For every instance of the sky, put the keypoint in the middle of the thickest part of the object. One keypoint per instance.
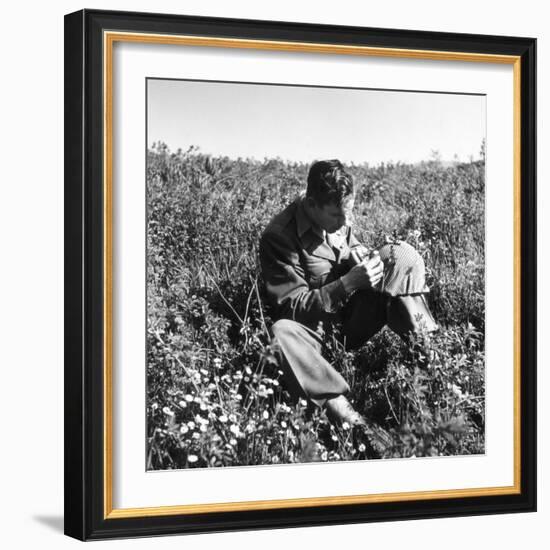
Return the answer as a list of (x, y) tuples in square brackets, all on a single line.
[(302, 123)]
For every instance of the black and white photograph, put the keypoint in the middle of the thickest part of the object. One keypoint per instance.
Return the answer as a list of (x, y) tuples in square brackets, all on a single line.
[(300, 275), (315, 274)]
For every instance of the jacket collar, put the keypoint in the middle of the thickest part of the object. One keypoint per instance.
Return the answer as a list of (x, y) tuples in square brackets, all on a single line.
[(303, 221), (312, 237)]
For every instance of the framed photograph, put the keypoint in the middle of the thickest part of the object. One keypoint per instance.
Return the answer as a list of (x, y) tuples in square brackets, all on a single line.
[(300, 274)]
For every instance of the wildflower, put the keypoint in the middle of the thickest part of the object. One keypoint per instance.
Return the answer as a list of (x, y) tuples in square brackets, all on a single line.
[(199, 419), (203, 428), (196, 435), (324, 455), (275, 460), (456, 390), (345, 426), (223, 418), (303, 402), (191, 425), (233, 441), (362, 448), (203, 407), (217, 362), (184, 429), (154, 406), (234, 429), (182, 404), (232, 417), (167, 411), (192, 458), (334, 437), (283, 424), (189, 398), (265, 415), (239, 397)]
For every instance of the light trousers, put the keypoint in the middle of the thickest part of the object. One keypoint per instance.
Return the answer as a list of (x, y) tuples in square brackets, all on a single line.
[(307, 372)]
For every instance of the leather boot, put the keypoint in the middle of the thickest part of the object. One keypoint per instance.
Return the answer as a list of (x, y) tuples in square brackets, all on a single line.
[(340, 410)]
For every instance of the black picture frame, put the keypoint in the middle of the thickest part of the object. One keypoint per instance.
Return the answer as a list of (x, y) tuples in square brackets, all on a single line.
[(85, 488)]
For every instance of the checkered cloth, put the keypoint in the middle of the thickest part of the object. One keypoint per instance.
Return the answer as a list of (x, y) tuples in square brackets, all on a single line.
[(404, 270)]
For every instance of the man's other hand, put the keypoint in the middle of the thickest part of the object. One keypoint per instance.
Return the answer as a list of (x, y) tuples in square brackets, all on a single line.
[(366, 274)]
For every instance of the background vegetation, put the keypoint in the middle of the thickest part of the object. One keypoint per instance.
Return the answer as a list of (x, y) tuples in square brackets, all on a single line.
[(214, 392)]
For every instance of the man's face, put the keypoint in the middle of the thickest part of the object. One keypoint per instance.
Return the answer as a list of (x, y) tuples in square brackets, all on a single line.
[(331, 217)]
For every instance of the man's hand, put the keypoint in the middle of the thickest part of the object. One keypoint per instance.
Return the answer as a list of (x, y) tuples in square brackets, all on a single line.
[(358, 254), (366, 274)]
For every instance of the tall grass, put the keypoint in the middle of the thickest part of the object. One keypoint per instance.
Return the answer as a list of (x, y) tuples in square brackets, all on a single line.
[(214, 392)]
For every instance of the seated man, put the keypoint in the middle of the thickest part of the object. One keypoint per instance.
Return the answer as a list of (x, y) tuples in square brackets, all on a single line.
[(316, 274)]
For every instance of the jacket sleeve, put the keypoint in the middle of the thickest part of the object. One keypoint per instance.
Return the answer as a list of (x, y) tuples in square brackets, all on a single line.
[(287, 289)]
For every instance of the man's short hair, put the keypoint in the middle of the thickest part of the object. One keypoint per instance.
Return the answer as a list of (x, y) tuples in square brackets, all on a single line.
[(328, 182)]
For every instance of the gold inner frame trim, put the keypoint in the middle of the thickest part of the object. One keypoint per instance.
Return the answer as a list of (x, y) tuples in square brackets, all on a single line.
[(109, 39)]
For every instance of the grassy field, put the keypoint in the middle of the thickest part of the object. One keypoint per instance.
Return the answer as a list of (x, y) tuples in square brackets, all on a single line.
[(214, 392)]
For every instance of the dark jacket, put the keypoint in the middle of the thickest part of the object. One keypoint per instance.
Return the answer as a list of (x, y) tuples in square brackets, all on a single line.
[(302, 270)]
